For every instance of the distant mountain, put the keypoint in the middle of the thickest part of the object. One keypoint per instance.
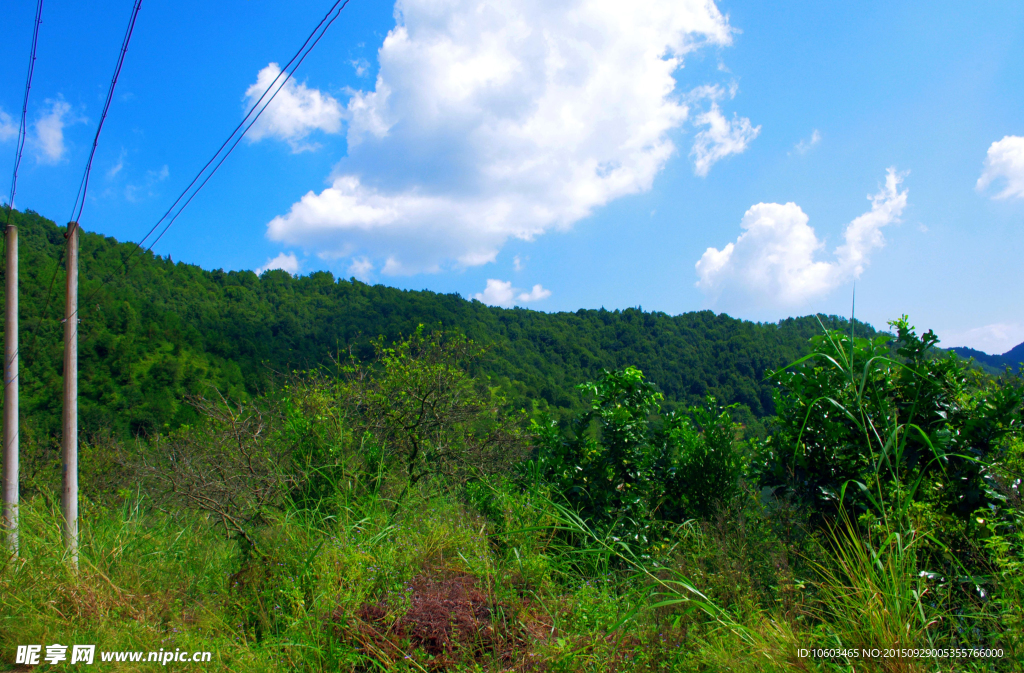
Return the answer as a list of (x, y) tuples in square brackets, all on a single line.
[(1012, 358)]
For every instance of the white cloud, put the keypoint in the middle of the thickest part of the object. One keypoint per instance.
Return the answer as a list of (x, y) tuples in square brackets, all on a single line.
[(361, 268), (773, 261), (517, 263), (497, 293), (289, 263), (536, 294), (361, 66), (8, 129), (712, 92), (1005, 161), (995, 339), (501, 293), (48, 138), (294, 113), (720, 139), (804, 146), (492, 120)]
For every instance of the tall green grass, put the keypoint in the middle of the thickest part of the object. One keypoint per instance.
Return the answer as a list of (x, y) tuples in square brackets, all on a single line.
[(330, 593)]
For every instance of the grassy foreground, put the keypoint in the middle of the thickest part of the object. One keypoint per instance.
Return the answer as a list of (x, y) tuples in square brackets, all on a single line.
[(437, 585)]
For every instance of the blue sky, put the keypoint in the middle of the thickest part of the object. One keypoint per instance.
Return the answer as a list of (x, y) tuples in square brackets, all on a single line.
[(752, 158)]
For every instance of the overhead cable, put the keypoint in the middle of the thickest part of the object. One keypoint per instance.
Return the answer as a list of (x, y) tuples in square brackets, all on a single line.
[(76, 210), (22, 128), (83, 187), (257, 109)]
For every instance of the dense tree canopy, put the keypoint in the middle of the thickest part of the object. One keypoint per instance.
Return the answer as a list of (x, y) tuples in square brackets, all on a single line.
[(161, 330)]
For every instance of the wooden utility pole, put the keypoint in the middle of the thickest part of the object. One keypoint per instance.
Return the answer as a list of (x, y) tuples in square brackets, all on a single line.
[(69, 501), (10, 511)]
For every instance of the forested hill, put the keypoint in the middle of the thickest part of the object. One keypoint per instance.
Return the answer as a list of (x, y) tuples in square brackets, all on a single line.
[(149, 338), (1013, 358)]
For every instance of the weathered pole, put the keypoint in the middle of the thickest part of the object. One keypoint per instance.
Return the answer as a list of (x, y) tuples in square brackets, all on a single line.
[(10, 487), (69, 501)]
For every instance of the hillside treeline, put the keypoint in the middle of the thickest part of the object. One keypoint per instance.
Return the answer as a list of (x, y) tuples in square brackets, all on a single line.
[(154, 331)]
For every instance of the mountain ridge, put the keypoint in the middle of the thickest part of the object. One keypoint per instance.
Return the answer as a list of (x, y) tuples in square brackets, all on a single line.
[(166, 331), (1013, 358)]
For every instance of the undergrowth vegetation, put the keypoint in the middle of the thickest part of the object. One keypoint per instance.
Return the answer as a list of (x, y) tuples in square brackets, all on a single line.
[(398, 514)]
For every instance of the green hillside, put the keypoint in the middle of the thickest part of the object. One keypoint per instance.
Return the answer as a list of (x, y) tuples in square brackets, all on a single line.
[(168, 329)]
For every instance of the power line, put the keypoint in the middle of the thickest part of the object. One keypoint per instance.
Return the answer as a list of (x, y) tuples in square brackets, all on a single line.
[(297, 59), (24, 111), (222, 153), (84, 184), (250, 118)]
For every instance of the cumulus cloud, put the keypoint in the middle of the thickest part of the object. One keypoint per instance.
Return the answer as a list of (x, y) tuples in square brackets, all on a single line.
[(773, 260), (295, 112), (804, 146), (536, 294), (361, 268), (48, 136), (286, 262), (1004, 162), (497, 293), (492, 120), (721, 138), (501, 293), (8, 129)]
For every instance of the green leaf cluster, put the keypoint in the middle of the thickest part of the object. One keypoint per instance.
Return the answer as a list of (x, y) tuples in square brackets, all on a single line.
[(896, 419), (629, 470)]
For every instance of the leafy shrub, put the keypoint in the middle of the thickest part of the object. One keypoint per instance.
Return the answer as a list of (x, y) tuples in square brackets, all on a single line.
[(1000, 527), (902, 446), (330, 437), (624, 468), (704, 462), (855, 412), (426, 413)]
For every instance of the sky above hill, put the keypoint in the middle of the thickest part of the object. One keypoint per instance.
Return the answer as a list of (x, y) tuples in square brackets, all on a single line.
[(758, 159)]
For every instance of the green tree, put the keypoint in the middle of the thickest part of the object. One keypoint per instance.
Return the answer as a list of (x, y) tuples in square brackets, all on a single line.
[(427, 413), (628, 470)]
